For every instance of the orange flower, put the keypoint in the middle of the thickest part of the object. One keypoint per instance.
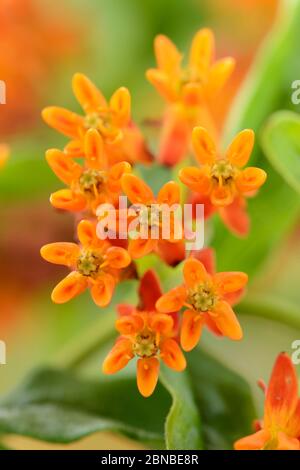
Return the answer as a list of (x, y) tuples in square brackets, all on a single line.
[(91, 184), (122, 140), (94, 263), (4, 154), (148, 335), (221, 180), (154, 211), (188, 91), (205, 297), (280, 428)]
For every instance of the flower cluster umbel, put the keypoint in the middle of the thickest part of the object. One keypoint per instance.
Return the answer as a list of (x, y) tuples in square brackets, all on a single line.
[(97, 166)]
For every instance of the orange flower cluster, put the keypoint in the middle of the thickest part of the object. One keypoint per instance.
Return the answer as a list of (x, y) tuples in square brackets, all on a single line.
[(97, 166)]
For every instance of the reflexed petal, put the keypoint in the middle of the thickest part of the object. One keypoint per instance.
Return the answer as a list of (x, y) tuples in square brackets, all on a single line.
[(61, 253), (207, 257), (74, 149), (63, 166), (136, 190), (161, 323), (149, 290), (117, 257), (147, 375), (218, 75), (202, 51), (167, 55), (191, 329), (172, 355), (171, 252), (103, 289), (239, 151), (63, 121), (204, 146), (115, 174), (120, 104), (86, 232), (222, 196), (250, 179), (236, 218), (193, 94), (94, 150), (210, 325), (71, 286), (282, 392), (226, 321), (172, 301), (140, 247), (68, 200), (286, 442), (161, 82), (229, 282), (87, 94), (169, 194), (125, 309), (194, 272), (195, 178), (118, 357), (255, 441), (129, 324), (175, 139)]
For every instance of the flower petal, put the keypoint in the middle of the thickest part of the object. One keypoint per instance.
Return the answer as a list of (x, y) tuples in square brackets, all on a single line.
[(172, 301), (141, 247), (94, 150), (191, 329), (195, 179), (229, 282), (222, 196), (149, 290), (68, 200), (63, 166), (167, 55), (169, 194), (117, 257), (226, 321), (235, 216), (250, 179), (255, 441), (286, 442), (218, 76), (118, 357), (239, 151), (172, 355), (115, 174), (86, 232), (136, 189), (202, 51), (103, 289), (161, 323), (194, 272), (129, 324), (87, 94), (161, 81), (63, 121), (175, 138), (4, 154), (61, 253), (71, 286), (147, 375), (204, 146), (74, 149), (120, 104)]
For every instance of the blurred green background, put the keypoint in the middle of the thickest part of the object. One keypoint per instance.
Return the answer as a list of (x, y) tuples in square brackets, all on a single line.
[(43, 43)]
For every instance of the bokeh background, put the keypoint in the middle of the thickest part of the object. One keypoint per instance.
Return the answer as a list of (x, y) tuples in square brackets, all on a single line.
[(42, 43)]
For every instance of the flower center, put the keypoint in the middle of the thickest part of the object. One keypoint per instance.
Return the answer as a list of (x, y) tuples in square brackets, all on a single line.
[(202, 297), (92, 180), (223, 171), (92, 121), (145, 344), (88, 263)]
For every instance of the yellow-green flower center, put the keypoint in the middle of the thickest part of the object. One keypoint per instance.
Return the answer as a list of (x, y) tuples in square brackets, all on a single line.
[(145, 344), (223, 171), (88, 263), (202, 297), (92, 180)]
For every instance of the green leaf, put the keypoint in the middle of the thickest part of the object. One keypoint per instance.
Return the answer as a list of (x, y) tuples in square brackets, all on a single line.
[(224, 401), (281, 143), (183, 425), (58, 407)]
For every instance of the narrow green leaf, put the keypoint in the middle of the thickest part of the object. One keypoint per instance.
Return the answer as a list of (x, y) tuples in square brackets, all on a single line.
[(281, 144), (183, 425)]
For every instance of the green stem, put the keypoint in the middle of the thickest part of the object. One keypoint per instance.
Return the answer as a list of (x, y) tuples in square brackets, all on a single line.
[(278, 310)]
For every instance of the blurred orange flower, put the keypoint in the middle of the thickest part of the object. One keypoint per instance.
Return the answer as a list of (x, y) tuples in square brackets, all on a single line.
[(148, 335), (205, 297), (94, 263), (89, 185), (221, 180), (122, 140), (4, 154), (188, 91), (280, 428)]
